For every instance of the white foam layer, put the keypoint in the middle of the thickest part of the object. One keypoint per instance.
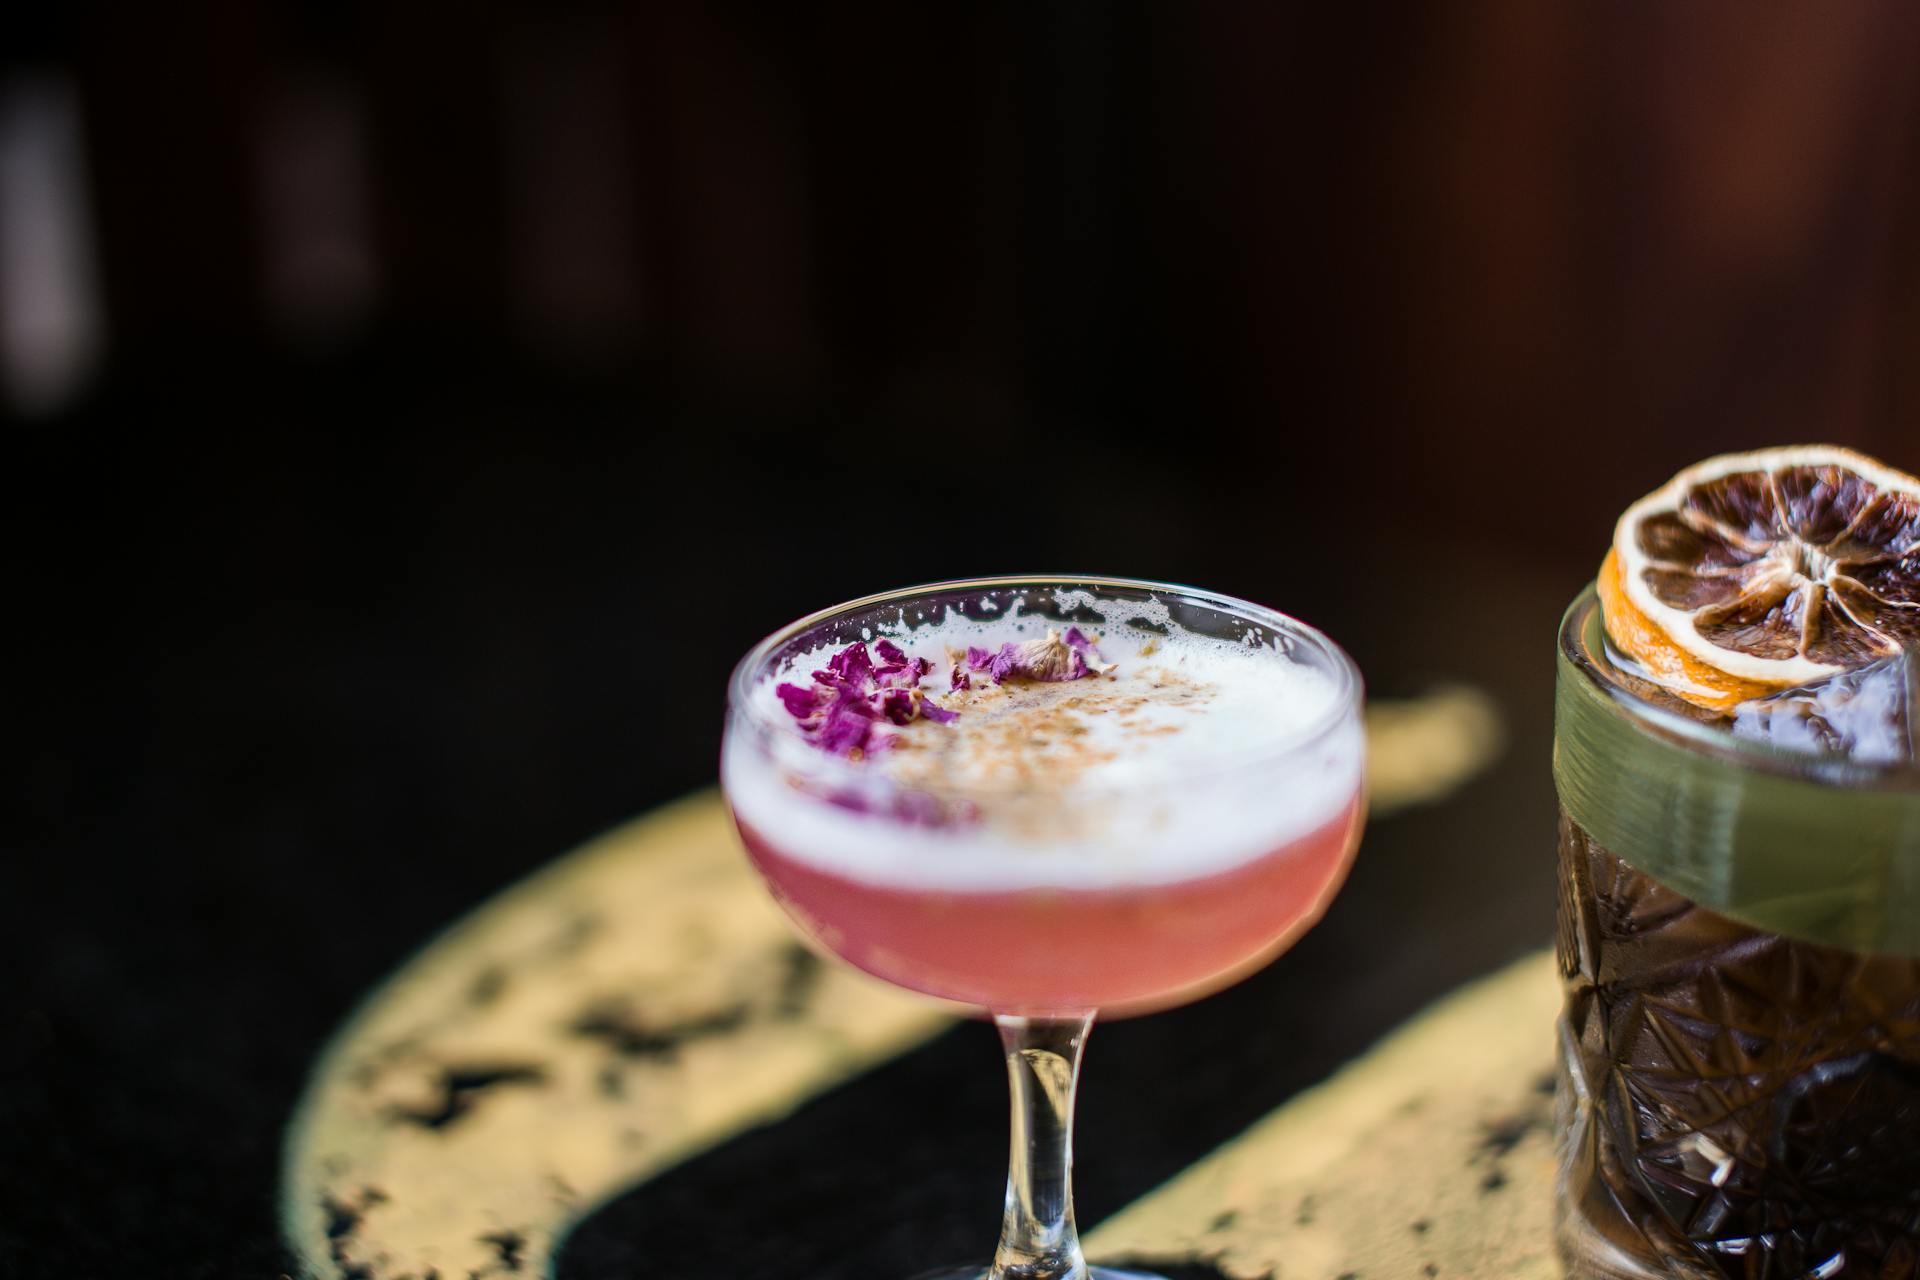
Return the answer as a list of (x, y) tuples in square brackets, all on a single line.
[(1190, 759)]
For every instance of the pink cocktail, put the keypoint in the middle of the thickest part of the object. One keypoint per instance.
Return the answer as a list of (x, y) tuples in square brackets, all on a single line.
[(1119, 950), (1046, 798)]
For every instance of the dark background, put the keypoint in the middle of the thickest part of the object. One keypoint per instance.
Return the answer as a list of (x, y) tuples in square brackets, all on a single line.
[(413, 409)]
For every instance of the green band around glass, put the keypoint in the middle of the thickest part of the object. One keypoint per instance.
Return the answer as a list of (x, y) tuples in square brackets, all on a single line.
[(1816, 848)]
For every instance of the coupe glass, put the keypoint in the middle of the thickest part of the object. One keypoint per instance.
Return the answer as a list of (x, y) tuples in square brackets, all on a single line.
[(1117, 900)]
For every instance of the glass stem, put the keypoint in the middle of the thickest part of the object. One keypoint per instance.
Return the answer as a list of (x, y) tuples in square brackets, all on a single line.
[(1038, 1240)]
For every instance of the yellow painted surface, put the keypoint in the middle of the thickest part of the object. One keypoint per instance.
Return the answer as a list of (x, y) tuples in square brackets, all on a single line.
[(659, 929), (1422, 750), (1430, 1156), (637, 1002)]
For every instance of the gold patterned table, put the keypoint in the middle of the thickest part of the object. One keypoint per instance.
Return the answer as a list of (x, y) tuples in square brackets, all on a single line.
[(641, 1000)]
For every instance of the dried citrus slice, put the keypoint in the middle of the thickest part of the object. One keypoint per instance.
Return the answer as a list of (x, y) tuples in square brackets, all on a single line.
[(1755, 571)]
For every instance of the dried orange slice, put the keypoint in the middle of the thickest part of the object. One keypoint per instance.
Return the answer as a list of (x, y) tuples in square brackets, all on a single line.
[(1751, 572)]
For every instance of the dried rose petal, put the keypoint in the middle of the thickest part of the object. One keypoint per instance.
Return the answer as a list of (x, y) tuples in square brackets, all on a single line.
[(800, 703), (853, 701), (1053, 657), (898, 705), (1080, 644), (918, 809), (848, 726), (998, 664), (896, 670), (1050, 658), (914, 808), (852, 665)]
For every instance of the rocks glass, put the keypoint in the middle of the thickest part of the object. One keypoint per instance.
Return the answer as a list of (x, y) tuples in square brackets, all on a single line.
[(1739, 934)]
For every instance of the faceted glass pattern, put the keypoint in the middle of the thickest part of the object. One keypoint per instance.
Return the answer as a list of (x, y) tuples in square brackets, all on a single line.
[(1733, 1103)]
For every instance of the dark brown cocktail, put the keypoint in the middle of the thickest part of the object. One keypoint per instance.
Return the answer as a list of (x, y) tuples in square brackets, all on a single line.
[(1739, 915)]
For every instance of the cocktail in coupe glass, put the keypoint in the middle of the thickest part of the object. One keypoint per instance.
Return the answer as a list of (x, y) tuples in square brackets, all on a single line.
[(1047, 797)]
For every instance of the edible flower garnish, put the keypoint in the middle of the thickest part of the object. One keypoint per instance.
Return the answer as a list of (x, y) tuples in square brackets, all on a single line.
[(851, 704), (1080, 644), (1054, 657)]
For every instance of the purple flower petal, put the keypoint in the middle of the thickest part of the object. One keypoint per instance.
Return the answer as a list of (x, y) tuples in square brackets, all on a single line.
[(897, 670), (1076, 640), (852, 801), (852, 702), (897, 705), (915, 808), (848, 726), (1052, 657), (800, 703), (918, 809), (852, 665), (1004, 663)]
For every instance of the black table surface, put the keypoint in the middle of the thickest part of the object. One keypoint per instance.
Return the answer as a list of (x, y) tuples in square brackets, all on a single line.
[(302, 699)]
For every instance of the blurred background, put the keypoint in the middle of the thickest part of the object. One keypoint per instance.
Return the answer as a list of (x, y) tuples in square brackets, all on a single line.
[(415, 408)]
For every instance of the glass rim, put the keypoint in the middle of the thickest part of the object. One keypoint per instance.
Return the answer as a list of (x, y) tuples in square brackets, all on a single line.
[(1350, 687), (1812, 846), (1716, 740)]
